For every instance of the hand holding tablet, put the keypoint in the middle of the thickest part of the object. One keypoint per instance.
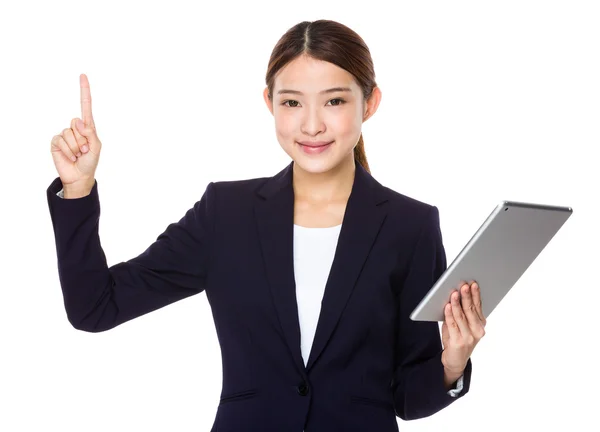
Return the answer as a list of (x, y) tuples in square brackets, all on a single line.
[(497, 255), (463, 328)]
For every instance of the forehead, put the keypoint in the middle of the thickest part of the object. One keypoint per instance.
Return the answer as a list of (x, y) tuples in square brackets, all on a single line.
[(310, 75)]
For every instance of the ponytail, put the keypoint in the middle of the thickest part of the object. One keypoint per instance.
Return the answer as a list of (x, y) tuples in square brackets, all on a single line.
[(359, 154)]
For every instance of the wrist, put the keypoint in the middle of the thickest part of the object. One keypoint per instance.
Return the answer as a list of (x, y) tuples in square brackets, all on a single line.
[(451, 376), (78, 190)]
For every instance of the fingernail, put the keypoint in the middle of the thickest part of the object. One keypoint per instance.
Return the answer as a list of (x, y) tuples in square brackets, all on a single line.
[(73, 158), (84, 148), (78, 154)]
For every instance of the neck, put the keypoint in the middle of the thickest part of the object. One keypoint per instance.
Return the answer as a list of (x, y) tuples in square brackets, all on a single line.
[(333, 185)]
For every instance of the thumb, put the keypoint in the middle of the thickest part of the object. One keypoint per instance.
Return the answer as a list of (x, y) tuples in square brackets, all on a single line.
[(87, 131), (82, 129)]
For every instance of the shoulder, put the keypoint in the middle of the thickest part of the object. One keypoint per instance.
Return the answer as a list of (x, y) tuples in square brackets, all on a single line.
[(233, 196), (237, 189), (408, 207), (415, 226)]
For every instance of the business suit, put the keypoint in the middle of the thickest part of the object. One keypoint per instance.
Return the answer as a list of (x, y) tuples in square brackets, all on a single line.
[(368, 363)]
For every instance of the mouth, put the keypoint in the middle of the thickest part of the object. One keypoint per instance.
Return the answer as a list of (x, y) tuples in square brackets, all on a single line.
[(314, 147), (314, 143)]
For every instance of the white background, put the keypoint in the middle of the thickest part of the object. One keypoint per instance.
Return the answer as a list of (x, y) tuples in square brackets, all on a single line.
[(482, 101)]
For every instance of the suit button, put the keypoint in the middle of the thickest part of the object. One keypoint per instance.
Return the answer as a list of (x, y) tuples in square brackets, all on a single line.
[(303, 389)]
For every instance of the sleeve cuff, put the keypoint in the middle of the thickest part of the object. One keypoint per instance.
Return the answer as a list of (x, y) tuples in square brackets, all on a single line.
[(459, 386)]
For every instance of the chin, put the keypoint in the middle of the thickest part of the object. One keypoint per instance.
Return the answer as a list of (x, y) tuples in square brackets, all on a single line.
[(313, 166)]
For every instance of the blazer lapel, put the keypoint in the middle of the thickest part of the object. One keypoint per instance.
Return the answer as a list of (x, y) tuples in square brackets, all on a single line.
[(275, 220), (274, 213)]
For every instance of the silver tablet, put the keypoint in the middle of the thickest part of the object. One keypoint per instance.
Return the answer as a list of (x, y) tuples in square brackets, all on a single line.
[(497, 255)]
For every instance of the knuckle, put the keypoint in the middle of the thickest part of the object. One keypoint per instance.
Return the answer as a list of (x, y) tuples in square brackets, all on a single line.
[(56, 141), (68, 148), (62, 144)]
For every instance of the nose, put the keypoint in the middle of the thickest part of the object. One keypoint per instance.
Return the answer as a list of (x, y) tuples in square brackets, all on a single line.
[(312, 123)]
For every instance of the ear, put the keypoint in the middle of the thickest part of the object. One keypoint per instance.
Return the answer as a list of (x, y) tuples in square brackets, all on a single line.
[(266, 98), (372, 104)]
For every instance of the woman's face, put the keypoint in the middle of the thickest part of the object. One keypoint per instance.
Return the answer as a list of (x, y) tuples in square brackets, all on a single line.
[(311, 114)]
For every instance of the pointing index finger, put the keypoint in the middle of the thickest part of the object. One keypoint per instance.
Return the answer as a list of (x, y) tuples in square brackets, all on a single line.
[(86, 101)]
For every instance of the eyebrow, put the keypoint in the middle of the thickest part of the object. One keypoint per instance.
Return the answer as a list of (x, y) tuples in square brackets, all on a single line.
[(331, 90)]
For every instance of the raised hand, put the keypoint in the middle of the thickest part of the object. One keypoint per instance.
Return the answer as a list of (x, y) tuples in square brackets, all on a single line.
[(76, 150)]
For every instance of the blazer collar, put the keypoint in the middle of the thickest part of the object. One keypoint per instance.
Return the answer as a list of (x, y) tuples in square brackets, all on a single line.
[(364, 184), (274, 213)]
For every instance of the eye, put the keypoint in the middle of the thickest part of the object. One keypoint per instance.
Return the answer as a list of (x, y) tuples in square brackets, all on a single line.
[(341, 102)]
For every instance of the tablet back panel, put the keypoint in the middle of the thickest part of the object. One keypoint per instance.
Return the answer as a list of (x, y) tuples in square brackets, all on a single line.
[(496, 256)]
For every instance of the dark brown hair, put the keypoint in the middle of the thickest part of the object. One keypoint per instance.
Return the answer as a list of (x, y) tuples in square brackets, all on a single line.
[(332, 42)]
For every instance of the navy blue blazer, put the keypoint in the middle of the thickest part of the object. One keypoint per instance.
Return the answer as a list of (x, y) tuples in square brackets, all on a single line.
[(369, 363)]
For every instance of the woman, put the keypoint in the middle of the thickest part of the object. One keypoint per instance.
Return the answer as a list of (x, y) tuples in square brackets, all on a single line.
[(311, 274)]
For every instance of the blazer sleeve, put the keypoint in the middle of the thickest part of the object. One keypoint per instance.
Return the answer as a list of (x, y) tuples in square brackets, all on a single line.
[(97, 297), (418, 384)]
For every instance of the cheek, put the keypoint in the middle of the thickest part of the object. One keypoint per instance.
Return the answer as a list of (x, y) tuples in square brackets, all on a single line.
[(345, 128), (348, 124), (285, 125)]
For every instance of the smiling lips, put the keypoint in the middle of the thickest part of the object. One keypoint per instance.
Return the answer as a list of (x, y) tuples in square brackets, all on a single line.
[(314, 147)]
